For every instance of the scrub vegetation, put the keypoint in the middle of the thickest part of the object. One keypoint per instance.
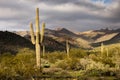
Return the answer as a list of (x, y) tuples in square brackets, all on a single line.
[(81, 63)]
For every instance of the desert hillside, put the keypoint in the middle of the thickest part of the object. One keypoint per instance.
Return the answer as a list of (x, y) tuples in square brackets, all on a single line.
[(10, 42), (87, 39)]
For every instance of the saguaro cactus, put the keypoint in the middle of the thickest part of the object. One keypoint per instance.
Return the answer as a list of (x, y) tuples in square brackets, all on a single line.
[(67, 49), (107, 51), (37, 45), (43, 50), (42, 31), (32, 33), (102, 49), (39, 39)]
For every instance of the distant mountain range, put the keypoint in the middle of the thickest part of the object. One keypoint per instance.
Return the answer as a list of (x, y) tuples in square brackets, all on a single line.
[(87, 39), (55, 39)]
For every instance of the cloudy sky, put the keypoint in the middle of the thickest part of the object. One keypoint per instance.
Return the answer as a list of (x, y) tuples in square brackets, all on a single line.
[(76, 15)]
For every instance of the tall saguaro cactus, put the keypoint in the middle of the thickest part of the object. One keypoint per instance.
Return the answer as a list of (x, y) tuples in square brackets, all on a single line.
[(37, 45), (39, 38)]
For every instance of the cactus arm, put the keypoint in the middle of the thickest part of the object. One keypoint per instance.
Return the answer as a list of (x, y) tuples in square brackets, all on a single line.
[(37, 20), (32, 33), (42, 32)]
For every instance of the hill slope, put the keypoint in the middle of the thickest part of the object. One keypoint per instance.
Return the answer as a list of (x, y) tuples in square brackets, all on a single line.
[(87, 39), (109, 37), (10, 42), (60, 35)]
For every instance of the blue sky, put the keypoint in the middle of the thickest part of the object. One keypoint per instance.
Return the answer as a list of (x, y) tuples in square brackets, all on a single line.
[(105, 1)]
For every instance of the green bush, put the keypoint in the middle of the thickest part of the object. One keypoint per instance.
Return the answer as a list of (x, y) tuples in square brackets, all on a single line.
[(93, 72), (77, 53), (20, 65), (99, 72), (69, 64), (54, 56)]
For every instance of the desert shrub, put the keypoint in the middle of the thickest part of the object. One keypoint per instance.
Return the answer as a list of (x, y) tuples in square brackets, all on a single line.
[(99, 72), (51, 71), (69, 64), (5, 56), (20, 65), (108, 73), (25, 62), (77, 53), (104, 60), (54, 56), (93, 72), (105, 65), (107, 61), (89, 64), (93, 68), (26, 56), (93, 57)]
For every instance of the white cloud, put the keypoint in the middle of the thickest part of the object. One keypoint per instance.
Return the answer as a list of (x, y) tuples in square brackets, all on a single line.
[(82, 14)]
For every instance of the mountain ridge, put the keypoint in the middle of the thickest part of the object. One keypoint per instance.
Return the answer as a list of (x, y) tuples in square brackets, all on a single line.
[(82, 39)]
